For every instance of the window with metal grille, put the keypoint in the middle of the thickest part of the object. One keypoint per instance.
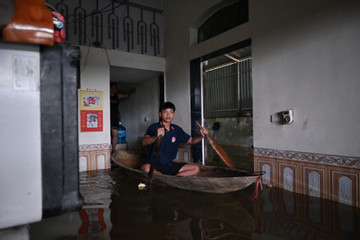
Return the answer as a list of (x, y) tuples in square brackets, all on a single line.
[(228, 90)]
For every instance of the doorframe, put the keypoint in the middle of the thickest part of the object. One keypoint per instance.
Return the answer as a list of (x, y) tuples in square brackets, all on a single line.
[(196, 94)]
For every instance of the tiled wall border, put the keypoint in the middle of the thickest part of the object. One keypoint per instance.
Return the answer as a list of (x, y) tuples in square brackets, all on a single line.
[(92, 147), (314, 174), (93, 153), (333, 160)]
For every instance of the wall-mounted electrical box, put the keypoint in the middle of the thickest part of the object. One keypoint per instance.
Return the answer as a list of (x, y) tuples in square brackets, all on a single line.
[(287, 117), (284, 117)]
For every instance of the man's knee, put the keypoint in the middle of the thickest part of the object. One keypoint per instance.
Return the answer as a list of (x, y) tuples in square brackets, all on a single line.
[(196, 169), (189, 170), (145, 167)]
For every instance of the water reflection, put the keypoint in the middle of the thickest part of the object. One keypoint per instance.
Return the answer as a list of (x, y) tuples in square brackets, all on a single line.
[(161, 213), (115, 209)]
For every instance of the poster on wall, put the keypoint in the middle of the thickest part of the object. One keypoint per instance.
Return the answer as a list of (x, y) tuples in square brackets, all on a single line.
[(91, 111)]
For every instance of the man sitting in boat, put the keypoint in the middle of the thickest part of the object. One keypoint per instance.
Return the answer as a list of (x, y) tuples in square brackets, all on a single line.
[(172, 136)]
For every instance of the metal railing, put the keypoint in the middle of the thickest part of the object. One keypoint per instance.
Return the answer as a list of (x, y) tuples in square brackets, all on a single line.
[(228, 90), (120, 25)]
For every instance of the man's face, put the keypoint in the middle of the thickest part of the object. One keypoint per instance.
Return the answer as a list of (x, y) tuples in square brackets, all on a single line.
[(113, 90), (167, 115)]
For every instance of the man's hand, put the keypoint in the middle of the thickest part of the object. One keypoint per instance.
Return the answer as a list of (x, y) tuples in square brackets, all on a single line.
[(204, 131), (161, 131)]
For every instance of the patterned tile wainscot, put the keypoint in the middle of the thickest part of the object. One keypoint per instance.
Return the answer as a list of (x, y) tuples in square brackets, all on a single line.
[(319, 175), (94, 157)]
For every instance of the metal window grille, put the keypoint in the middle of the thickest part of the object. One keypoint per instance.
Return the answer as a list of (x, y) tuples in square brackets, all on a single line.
[(228, 90)]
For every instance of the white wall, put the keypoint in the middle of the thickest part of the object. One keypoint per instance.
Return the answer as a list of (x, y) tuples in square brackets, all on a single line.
[(95, 75), (304, 57), (136, 61), (310, 64), (179, 16)]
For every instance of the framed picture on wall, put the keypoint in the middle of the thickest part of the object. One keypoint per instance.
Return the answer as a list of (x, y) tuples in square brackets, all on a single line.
[(91, 111)]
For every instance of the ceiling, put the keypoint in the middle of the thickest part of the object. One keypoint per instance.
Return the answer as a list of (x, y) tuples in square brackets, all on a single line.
[(131, 75), (230, 57)]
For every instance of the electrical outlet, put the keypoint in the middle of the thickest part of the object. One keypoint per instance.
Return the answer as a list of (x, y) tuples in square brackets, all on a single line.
[(284, 117), (288, 116)]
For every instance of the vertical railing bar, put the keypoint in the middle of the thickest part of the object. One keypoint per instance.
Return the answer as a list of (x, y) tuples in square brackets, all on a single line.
[(154, 35), (81, 13), (113, 27)]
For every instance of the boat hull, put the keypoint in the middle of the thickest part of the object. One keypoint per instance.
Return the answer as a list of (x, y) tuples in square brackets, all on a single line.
[(211, 179)]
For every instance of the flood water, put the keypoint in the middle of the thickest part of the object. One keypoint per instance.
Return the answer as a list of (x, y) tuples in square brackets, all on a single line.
[(114, 208)]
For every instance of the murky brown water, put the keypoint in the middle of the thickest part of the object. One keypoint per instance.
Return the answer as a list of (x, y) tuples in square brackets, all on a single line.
[(115, 209), (240, 156)]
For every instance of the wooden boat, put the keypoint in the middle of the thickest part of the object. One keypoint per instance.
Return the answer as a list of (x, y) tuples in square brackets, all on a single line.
[(211, 179)]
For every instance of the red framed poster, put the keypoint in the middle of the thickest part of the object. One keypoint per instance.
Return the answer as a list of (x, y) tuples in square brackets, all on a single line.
[(91, 120), (91, 111)]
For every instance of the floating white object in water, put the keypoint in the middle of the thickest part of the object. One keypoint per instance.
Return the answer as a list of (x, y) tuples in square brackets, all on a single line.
[(141, 186)]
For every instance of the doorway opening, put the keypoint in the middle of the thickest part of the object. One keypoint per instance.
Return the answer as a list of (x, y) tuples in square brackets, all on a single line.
[(226, 104), (140, 109)]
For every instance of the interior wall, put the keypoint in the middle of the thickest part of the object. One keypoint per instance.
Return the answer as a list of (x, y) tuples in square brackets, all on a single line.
[(139, 110), (95, 75), (304, 58), (309, 65), (179, 53)]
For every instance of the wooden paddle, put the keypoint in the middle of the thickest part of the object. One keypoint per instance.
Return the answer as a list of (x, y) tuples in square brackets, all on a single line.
[(218, 149), (154, 156)]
